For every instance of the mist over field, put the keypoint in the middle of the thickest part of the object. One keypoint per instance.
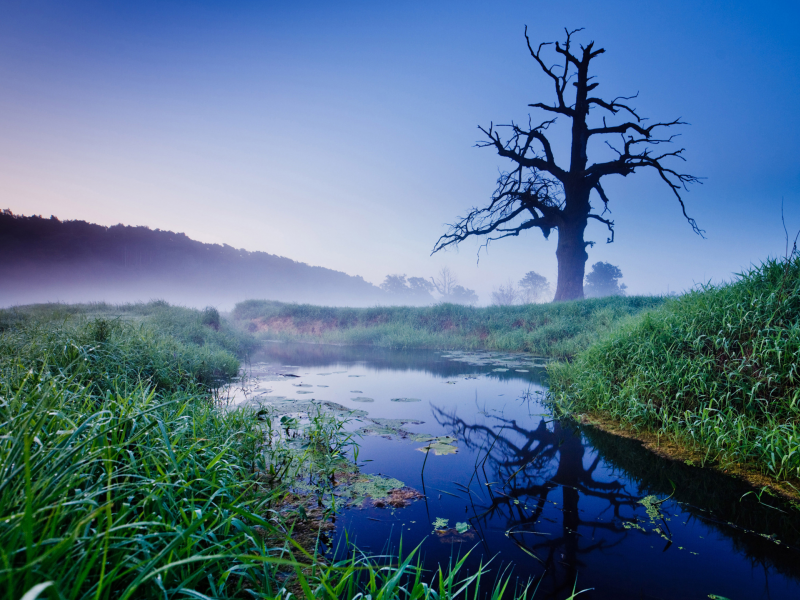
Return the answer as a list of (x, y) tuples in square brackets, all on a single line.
[(46, 260)]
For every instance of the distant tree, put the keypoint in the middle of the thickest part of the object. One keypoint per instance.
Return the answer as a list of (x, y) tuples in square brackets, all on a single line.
[(533, 288), (505, 295), (537, 192), (462, 295), (445, 281), (414, 290), (421, 287), (446, 284), (603, 280)]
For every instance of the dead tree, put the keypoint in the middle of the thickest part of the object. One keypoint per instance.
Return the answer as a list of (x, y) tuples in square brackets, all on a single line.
[(538, 193)]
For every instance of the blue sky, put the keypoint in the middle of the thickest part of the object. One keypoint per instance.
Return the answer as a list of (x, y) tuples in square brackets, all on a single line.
[(342, 134)]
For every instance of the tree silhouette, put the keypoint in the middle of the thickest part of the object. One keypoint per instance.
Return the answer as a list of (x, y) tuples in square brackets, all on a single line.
[(539, 193), (603, 280), (534, 287), (446, 284)]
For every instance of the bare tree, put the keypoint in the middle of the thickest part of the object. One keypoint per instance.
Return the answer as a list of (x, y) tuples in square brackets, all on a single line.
[(445, 282), (505, 295), (538, 193), (447, 285)]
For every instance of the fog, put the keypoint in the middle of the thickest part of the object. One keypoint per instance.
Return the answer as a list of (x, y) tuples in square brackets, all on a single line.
[(48, 260)]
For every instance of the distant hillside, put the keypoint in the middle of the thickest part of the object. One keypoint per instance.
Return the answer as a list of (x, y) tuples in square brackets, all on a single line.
[(43, 260)]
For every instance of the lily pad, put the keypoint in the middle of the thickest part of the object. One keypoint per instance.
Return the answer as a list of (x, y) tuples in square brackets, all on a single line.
[(323, 386), (304, 392), (302, 385), (356, 392), (362, 399), (462, 527), (439, 448), (406, 400)]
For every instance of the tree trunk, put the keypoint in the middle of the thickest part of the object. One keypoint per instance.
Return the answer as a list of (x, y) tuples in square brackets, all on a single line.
[(572, 257)]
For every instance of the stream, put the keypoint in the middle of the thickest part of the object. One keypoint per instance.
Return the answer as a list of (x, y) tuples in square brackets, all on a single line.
[(553, 501)]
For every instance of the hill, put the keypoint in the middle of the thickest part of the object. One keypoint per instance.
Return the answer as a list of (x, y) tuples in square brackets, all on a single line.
[(45, 260)]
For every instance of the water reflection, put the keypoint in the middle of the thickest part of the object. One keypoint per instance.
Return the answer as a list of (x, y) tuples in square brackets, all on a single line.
[(520, 471), (523, 475)]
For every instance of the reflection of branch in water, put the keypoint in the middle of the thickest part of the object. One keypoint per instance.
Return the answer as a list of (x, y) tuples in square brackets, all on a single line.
[(527, 465)]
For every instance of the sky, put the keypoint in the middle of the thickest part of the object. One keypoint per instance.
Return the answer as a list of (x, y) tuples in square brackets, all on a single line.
[(342, 134)]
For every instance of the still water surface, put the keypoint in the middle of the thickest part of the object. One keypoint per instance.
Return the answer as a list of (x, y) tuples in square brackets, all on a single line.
[(553, 499)]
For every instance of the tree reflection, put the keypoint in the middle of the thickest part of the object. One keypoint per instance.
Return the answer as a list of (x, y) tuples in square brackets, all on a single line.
[(519, 472)]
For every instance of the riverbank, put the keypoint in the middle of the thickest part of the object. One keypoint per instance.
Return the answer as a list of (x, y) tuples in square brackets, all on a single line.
[(714, 372), (548, 330), (122, 475)]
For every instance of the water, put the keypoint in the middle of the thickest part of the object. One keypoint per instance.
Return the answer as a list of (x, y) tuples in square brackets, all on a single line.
[(554, 500)]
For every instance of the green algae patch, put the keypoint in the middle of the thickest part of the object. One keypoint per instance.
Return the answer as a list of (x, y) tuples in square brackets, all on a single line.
[(406, 400), (440, 524)]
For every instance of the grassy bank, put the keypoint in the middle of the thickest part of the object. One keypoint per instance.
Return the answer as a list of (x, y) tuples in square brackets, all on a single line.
[(556, 330), (716, 369), (121, 478)]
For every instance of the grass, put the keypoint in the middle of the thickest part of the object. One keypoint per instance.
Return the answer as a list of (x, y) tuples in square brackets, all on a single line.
[(555, 330), (717, 369), (120, 477)]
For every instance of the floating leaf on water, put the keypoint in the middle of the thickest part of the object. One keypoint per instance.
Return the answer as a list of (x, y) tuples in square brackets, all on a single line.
[(362, 399), (323, 386), (440, 523), (355, 375), (406, 400), (303, 392), (422, 437), (499, 370), (302, 385), (439, 448), (522, 371), (462, 527), (356, 392)]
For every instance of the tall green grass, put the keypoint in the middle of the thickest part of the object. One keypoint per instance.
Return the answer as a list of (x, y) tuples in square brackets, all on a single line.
[(556, 330), (718, 368), (187, 325)]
